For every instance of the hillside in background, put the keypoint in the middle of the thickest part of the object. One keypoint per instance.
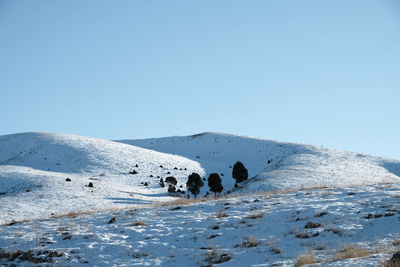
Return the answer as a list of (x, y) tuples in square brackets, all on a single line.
[(34, 168), (276, 165), (301, 204)]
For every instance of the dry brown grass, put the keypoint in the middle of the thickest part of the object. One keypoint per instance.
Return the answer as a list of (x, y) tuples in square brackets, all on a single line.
[(215, 257), (62, 229), (255, 216), (139, 223), (305, 258), (250, 242), (349, 252), (221, 214), (74, 214), (180, 201)]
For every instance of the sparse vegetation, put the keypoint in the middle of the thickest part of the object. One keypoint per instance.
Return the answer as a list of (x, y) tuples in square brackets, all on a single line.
[(250, 242), (255, 215), (139, 223), (305, 258), (221, 214), (348, 252), (214, 257)]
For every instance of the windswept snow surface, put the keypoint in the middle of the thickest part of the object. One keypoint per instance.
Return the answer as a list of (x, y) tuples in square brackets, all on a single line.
[(255, 230), (34, 168), (292, 166)]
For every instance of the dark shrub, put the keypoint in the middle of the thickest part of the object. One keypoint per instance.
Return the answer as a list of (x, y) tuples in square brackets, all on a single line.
[(239, 172), (214, 182), (171, 182), (162, 182), (194, 183), (171, 189)]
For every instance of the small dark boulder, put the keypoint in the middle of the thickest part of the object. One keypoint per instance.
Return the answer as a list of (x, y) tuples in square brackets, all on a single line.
[(175, 168), (112, 220), (151, 175)]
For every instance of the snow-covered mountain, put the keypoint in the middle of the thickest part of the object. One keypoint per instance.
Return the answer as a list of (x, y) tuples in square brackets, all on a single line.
[(276, 165), (34, 168), (353, 224)]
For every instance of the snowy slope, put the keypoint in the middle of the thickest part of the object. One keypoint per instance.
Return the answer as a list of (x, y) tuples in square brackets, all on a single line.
[(247, 229), (34, 168), (292, 165), (352, 227)]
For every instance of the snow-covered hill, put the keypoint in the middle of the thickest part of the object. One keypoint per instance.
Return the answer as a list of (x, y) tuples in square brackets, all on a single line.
[(291, 166), (34, 168), (353, 224)]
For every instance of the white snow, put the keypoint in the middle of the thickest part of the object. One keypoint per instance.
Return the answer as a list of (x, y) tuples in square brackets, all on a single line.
[(292, 166), (196, 234), (361, 202), (40, 163)]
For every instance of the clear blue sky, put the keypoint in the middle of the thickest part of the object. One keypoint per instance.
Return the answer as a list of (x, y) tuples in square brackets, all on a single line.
[(317, 72)]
